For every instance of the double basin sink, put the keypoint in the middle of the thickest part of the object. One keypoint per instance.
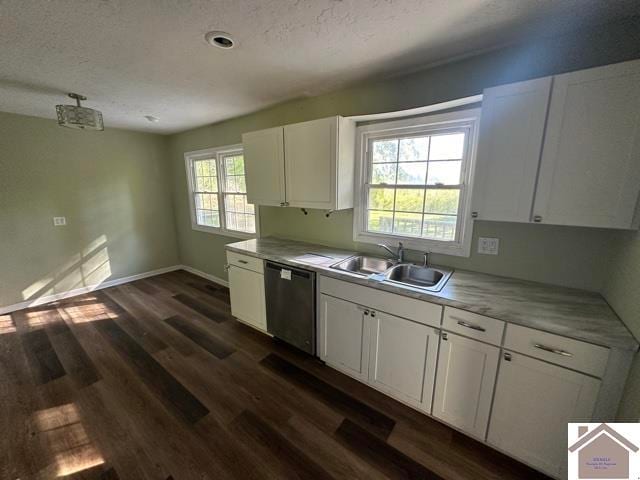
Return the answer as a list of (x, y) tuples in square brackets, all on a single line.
[(403, 274)]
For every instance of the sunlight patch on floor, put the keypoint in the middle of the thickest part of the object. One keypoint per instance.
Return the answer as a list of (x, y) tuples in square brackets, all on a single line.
[(6, 324)]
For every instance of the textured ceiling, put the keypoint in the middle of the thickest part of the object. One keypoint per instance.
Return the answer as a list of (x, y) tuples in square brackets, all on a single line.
[(148, 57)]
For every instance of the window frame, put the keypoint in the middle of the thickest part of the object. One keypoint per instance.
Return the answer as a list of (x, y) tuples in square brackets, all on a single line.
[(217, 153), (468, 120)]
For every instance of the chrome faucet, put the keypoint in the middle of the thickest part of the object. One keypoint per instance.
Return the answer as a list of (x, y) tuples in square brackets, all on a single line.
[(427, 257), (399, 254)]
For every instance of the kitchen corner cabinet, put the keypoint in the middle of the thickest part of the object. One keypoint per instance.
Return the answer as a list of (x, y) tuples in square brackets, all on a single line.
[(246, 287), (344, 336), (568, 157), (305, 165), (465, 381), (402, 358), (509, 147), (533, 402)]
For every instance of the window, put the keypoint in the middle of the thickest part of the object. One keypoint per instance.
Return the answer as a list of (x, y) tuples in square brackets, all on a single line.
[(414, 182), (218, 192)]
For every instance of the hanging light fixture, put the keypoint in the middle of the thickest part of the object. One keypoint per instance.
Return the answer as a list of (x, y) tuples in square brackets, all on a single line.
[(77, 116)]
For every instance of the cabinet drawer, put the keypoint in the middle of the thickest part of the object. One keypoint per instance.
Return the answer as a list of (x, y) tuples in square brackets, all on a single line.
[(473, 325), (245, 261), (574, 354), (399, 305)]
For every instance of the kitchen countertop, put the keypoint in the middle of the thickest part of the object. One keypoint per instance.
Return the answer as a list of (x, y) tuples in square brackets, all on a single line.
[(564, 311)]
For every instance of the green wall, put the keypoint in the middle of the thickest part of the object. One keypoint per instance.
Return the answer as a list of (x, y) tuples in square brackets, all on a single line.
[(566, 256), (111, 186), (622, 290)]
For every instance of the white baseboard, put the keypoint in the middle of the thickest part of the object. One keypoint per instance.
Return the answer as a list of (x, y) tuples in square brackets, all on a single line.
[(79, 291), (208, 276)]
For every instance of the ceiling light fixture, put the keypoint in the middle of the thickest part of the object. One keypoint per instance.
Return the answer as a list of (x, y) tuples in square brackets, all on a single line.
[(77, 116), (220, 39)]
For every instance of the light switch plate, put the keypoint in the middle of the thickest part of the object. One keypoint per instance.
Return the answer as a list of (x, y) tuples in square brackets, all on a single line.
[(488, 246), (59, 221)]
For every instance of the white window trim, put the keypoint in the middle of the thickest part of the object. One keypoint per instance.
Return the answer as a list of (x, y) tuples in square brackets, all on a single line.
[(210, 153), (469, 119)]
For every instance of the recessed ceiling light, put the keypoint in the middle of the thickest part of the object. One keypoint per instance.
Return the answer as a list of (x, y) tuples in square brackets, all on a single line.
[(220, 39), (152, 119)]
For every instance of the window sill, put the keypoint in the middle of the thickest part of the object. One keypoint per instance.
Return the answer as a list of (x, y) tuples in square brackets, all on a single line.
[(419, 244), (223, 232)]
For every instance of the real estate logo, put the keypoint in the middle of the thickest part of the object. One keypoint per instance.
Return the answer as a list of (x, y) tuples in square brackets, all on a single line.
[(604, 451)]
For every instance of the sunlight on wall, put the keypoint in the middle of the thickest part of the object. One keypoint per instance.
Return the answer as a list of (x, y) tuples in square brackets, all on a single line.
[(67, 441), (6, 324), (88, 268)]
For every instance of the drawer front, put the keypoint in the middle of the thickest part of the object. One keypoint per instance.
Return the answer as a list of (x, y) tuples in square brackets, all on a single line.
[(574, 354), (398, 305), (245, 261), (473, 325)]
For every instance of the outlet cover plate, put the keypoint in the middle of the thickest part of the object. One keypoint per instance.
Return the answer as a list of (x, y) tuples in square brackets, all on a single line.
[(488, 246), (59, 221)]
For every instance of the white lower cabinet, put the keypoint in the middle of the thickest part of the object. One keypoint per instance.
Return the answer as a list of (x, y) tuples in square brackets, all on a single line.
[(247, 296), (533, 403), (343, 336), (464, 383), (402, 360)]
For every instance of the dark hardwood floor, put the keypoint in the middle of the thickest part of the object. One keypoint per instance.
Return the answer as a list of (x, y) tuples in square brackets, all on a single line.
[(156, 380)]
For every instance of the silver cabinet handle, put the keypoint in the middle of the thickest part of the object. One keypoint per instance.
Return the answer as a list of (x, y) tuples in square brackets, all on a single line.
[(537, 218), (472, 326), (507, 356), (373, 314), (474, 214), (557, 351), (444, 336), (244, 262)]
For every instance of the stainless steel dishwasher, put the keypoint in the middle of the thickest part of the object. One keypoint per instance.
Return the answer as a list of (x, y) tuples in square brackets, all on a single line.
[(291, 305)]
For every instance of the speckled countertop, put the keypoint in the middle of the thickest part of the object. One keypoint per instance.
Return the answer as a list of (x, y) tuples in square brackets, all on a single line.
[(565, 311)]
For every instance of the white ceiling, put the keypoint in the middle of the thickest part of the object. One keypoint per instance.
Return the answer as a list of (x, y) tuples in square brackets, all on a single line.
[(148, 57)]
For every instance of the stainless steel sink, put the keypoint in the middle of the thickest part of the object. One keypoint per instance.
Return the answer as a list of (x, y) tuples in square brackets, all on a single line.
[(426, 278), (364, 265)]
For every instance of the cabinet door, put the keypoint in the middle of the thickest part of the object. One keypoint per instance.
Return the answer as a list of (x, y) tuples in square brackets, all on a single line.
[(403, 357), (247, 297), (509, 147), (533, 403), (310, 159), (264, 166), (590, 169), (464, 383), (344, 336)]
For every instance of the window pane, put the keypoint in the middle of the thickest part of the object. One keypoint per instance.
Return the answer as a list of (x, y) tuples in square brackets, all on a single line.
[(414, 149), (235, 203), (207, 184), (381, 198), (241, 184), (444, 173), (206, 201), (385, 151), (444, 147), (409, 199), (408, 224), (384, 173), (209, 218), (230, 184), (412, 173), (442, 201), (439, 227), (379, 222), (206, 168)]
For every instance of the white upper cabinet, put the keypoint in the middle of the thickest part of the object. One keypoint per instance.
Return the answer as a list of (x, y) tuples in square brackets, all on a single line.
[(569, 157), (590, 169), (306, 165), (464, 383), (264, 166), (533, 403), (509, 147)]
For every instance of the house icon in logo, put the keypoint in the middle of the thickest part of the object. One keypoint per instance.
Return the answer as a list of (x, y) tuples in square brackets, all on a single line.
[(603, 453)]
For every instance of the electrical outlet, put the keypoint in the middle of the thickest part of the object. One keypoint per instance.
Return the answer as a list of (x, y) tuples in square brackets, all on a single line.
[(488, 246), (59, 221)]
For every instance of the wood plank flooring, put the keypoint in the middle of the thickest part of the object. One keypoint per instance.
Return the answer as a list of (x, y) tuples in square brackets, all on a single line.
[(156, 380)]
